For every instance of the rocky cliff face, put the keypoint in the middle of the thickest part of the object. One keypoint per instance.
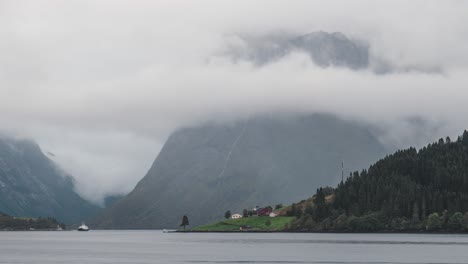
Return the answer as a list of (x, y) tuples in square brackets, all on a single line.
[(204, 171), (32, 185)]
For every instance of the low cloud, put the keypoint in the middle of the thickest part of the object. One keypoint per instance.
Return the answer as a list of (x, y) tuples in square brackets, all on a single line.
[(101, 84)]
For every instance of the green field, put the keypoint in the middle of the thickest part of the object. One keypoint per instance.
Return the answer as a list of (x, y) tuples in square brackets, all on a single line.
[(257, 223)]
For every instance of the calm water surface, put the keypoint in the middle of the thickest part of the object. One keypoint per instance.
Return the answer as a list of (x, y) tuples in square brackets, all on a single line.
[(158, 247)]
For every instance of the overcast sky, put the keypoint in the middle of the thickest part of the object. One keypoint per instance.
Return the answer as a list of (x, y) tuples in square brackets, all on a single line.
[(101, 84)]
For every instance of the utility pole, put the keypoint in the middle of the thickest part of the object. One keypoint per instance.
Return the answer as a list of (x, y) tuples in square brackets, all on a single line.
[(342, 171)]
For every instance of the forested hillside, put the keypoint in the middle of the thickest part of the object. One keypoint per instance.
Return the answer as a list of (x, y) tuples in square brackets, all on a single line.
[(409, 190), (11, 223)]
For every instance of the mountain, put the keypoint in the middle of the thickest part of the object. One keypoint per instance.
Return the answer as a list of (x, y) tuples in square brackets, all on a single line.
[(410, 190), (31, 185), (325, 49), (205, 170)]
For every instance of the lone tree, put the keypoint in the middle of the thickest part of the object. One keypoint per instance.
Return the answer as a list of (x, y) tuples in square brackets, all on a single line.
[(185, 221), (227, 214)]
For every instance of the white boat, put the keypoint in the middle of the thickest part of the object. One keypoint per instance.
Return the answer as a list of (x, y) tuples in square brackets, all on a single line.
[(83, 227)]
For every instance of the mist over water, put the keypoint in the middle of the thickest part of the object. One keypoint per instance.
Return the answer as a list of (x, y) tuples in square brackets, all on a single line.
[(158, 247)]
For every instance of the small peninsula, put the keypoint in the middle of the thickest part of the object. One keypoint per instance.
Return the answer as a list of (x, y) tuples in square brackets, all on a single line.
[(250, 224)]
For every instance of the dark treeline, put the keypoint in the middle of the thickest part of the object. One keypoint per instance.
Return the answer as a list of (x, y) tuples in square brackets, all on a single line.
[(14, 223), (408, 191)]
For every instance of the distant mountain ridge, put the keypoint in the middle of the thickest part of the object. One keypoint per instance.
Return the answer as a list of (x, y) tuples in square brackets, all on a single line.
[(31, 185), (203, 171)]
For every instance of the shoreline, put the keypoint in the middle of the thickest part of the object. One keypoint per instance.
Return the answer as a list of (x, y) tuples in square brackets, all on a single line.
[(322, 232), (256, 231)]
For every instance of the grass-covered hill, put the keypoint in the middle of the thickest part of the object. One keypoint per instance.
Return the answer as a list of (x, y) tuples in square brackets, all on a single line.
[(255, 223), (411, 190)]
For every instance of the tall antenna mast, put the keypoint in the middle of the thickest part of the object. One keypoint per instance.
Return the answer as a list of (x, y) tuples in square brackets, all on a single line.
[(342, 171)]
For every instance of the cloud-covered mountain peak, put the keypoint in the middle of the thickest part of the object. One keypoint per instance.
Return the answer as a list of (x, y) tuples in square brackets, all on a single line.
[(325, 49), (333, 49)]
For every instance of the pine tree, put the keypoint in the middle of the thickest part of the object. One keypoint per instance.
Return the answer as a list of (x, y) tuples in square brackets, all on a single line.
[(227, 214)]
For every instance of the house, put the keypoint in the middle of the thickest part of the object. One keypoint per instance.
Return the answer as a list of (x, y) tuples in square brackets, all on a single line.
[(236, 216), (265, 211)]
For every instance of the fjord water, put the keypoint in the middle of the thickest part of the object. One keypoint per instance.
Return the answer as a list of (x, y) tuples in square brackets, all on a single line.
[(158, 247)]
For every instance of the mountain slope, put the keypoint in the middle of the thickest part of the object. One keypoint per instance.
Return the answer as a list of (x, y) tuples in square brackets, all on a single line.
[(203, 171), (31, 185)]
